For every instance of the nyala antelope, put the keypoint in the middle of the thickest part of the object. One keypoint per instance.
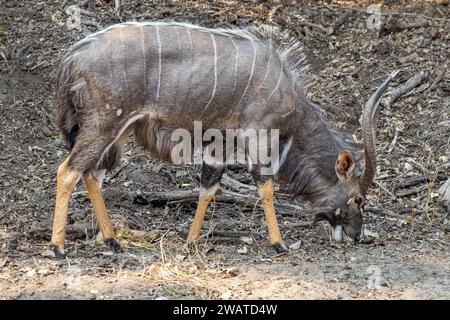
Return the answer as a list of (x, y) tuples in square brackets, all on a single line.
[(152, 78)]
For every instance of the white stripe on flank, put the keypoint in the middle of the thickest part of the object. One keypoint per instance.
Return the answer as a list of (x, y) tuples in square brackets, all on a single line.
[(111, 65), (159, 61), (236, 64), (190, 38), (277, 85), (215, 73), (122, 129), (191, 45), (178, 38), (251, 72), (286, 149), (144, 58), (123, 50), (268, 64)]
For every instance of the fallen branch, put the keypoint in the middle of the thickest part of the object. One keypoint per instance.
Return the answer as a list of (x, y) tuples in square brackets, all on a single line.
[(230, 234), (413, 190), (382, 187), (385, 212), (117, 5), (439, 76), (335, 7), (403, 89), (419, 179), (405, 220), (394, 141), (4, 58), (231, 183), (344, 18), (248, 201), (116, 172), (394, 25), (313, 25)]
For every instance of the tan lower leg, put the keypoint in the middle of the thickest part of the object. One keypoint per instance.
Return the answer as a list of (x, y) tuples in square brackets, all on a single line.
[(98, 203), (66, 181), (204, 199), (266, 191)]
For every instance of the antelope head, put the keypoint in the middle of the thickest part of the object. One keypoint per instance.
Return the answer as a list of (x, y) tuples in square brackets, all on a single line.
[(346, 201)]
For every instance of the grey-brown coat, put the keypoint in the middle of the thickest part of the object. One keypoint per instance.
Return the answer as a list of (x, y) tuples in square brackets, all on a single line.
[(153, 78)]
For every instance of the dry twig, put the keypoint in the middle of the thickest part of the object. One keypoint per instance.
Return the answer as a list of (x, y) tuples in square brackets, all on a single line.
[(403, 89)]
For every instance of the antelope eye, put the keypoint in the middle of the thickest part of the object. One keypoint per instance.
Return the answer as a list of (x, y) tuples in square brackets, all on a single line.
[(358, 200)]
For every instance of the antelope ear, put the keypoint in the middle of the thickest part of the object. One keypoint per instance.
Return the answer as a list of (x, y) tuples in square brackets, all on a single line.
[(345, 165)]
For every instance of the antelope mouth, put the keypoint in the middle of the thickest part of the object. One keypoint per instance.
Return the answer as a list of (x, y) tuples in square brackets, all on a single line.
[(337, 233)]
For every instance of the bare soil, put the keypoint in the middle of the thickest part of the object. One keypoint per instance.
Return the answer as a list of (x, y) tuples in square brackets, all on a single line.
[(409, 257)]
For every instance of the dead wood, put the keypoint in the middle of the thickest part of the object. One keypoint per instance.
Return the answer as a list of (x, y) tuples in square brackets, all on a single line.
[(394, 25), (74, 232), (230, 234), (420, 179), (162, 198), (413, 190), (347, 16), (235, 185), (405, 220), (314, 25), (117, 5), (381, 186), (439, 76), (403, 89)]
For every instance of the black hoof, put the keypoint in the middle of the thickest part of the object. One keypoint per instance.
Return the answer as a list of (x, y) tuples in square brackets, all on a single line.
[(60, 255), (113, 245), (281, 250)]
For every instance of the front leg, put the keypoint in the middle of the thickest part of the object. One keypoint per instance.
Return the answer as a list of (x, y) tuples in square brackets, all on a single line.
[(209, 183), (266, 192)]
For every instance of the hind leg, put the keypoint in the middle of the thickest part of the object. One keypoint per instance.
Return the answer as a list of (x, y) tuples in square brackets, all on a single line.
[(94, 186), (82, 159), (67, 178)]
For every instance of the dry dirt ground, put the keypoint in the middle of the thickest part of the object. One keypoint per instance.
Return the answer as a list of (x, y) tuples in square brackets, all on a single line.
[(409, 257)]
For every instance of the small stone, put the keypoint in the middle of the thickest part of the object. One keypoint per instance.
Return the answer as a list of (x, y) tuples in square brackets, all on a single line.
[(243, 250), (157, 168), (247, 240), (127, 183), (296, 246), (48, 254), (180, 257), (372, 234), (408, 167)]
